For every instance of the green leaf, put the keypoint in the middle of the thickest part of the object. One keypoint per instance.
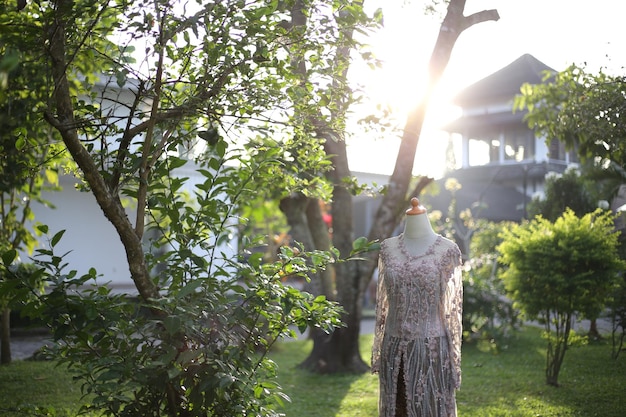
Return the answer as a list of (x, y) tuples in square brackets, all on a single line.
[(172, 324), (320, 299), (9, 256), (52, 176), (20, 143), (56, 238), (10, 60), (173, 373), (359, 244), (189, 288), (176, 162), (121, 78)]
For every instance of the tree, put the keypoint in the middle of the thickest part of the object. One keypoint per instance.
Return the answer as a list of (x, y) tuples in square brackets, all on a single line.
[(569, 190), (572, 190), (341, 352), (582, 110), (558, 269), (302, 210), (215, 91)]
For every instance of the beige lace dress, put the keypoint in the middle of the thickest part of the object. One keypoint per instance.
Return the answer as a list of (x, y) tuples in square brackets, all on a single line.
[(417, 340)]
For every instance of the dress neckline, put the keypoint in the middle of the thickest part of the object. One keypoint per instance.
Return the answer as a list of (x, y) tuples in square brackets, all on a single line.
[(429, 250)]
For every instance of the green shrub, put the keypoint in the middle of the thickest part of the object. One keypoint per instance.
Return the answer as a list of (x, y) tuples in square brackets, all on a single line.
[(202, 348), (487, 313), (559, 269)]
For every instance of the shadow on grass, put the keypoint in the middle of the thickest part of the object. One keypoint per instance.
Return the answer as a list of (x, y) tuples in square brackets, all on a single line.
[(509, 383), (592, 383), (512, 382), (315, 395)]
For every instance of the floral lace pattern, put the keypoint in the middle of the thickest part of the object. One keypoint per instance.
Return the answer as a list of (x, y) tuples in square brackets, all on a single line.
[(418, 329)]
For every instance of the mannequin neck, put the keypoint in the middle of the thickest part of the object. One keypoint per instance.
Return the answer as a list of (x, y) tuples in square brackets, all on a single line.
[(418, 227)]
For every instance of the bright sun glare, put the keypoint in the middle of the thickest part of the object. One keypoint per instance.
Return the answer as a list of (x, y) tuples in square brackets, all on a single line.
[(397, 87), (591, 35)]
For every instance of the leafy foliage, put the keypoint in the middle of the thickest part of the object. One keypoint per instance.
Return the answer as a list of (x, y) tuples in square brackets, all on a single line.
[(582, 110), (487, 312), (20, 284), (558, 269), (202, 348), (569, 190)]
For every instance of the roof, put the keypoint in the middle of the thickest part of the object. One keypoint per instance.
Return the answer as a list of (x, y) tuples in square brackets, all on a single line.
[(485, 120), (505, 83)]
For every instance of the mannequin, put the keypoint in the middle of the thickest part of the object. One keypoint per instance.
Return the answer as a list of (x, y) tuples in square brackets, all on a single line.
[(418, 233), (417, 338)]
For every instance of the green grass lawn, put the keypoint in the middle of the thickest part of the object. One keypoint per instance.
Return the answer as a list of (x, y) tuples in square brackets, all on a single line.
[(508, 383), (38, 389)]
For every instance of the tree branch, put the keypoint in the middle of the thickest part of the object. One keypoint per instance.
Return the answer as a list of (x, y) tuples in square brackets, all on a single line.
[(122, 150), (64, 122), (146, 149), (452, 26), (480, 17)]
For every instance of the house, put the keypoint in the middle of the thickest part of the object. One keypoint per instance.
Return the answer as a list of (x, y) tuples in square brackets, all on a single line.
[(502, 163), (89, 239)]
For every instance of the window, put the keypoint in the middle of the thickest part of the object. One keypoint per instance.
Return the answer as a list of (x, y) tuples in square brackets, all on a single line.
[(518, 145), (484, 149), (481, 152)]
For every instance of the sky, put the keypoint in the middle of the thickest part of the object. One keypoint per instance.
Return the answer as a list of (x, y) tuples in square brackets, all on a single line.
[(557, 32)]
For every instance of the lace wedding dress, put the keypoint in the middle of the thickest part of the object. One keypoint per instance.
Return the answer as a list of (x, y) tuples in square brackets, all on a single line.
[(417, 340)]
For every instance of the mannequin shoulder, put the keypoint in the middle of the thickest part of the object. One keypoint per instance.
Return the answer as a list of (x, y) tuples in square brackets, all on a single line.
[(449, 244), (390, 242), (389, 245)]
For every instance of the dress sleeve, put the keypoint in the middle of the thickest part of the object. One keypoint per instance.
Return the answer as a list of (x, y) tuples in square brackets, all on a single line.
[(381, 315), (454, 312)]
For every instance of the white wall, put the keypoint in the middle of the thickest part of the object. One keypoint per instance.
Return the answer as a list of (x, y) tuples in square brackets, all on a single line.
[(89, 237)]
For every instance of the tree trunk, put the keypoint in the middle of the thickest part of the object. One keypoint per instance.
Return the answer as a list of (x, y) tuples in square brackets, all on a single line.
[(556, 351), (321, 239), (307, 228), (594, 333), (340, 352), (396, 197), (5, 344), (64, 122), (295, 207)]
